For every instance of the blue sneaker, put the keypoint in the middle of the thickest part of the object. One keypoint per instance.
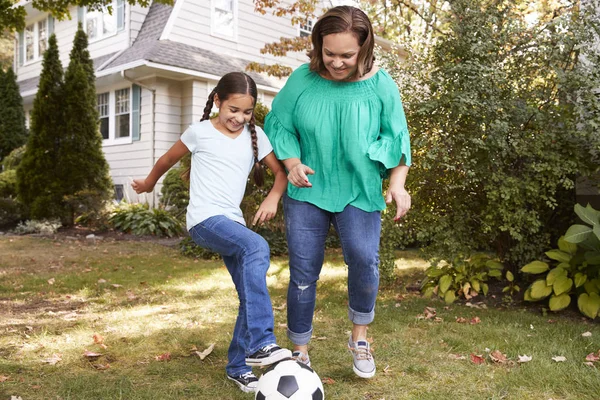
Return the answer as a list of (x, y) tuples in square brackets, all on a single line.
[(363, 361)]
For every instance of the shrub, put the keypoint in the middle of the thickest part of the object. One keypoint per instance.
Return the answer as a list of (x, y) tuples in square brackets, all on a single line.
[(45, 227), (572, 269), (176, 191), (10, 211), (139, 219), (462, 277)]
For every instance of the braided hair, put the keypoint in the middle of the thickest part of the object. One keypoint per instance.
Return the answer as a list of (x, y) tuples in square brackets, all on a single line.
[(236, 83)]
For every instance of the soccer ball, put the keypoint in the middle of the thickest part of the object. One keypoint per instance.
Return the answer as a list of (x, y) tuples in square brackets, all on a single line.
[(289, 380)]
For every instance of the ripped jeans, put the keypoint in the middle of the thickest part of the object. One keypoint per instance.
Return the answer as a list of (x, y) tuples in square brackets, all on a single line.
[(306, 228)]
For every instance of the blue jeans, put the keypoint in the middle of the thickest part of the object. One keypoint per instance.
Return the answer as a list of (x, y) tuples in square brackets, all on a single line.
[(306, 228), (246, 255)]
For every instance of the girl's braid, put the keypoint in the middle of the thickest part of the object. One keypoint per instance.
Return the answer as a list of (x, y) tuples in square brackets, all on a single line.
[(259, 173)]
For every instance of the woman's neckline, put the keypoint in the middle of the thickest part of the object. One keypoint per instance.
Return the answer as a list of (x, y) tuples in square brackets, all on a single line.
[(374, 71)]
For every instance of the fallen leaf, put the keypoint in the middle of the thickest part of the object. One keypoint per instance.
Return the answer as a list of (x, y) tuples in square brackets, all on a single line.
[(589, 364), (321, 338), (98, 339), (281, 307), (498, 357), (559, 358), (327, 381), (524, 359), (461, 320), (477, 359), (438, 319), (101, 366), (116, 285), (4, 378), (387, 370), (163, 357), (457, 356), (51, 281), (53, 360), (586, 334), (206, 352), (91, 355), (592, 357), (429, 312), (531, 326), (101, 280), (475, 320)]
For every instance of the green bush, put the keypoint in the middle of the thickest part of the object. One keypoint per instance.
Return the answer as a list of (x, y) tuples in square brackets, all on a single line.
[(462, 277), (45, 227), (139, 219), (8, 183), (175, 191), (13, 160), (10, 212), (572, 269)]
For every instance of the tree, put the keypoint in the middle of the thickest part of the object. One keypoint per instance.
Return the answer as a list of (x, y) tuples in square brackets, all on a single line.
[(12, 17), (39, 183), (6, 52), (84, 170), (503, 118), (13, 133)]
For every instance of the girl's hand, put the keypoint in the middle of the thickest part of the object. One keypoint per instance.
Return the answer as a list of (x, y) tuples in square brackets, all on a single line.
[(297, 176), (266, 211), (402, 199), (142, 186)]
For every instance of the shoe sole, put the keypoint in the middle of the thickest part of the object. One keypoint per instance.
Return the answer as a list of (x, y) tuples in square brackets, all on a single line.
[(365, 375), (272, 359), (243, 388)]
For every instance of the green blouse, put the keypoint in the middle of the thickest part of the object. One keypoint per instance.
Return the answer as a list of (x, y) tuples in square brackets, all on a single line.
[(349, 133)]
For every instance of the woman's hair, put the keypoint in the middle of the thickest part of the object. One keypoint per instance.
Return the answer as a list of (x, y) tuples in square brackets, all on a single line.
[(339, 20), (230, 84)]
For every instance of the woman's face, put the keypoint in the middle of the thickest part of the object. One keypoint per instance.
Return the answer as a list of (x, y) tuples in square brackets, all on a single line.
[(340, 55)]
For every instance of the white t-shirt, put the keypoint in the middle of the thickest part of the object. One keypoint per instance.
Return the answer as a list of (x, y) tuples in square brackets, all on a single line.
[(220, 169)]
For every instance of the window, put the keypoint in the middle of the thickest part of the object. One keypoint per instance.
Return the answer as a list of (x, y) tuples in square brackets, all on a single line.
[(306, 28), (99, 23), (224, 18), (114, 110), (119, 193), (30, 43), (33, 41)]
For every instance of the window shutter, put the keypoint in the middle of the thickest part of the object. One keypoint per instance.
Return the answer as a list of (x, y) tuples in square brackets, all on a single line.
[(80, 14), (50, 25), (21, 47), (120, 14), (136, 97)]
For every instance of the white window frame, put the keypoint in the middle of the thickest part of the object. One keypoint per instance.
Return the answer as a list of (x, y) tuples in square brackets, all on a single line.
[(214, 30), (36, 41), (305, 29), (100, 15), (112, 116)]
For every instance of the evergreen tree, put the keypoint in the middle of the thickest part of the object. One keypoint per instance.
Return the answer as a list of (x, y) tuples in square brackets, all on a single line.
[(85, 173), (12, 116), (39, 183)]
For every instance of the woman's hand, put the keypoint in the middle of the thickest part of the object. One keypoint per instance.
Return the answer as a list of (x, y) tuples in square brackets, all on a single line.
[(297, 176), (266, 211), (142, 186), (402, 199)]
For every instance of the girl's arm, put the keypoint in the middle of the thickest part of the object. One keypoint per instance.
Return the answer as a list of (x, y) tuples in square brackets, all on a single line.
[(268, 207), (166, 161), (397, 192)]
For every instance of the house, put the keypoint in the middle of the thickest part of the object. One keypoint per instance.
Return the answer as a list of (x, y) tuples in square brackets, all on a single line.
[(154, 69)]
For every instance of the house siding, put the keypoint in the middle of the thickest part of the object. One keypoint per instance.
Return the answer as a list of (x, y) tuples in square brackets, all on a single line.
[(137, 14)]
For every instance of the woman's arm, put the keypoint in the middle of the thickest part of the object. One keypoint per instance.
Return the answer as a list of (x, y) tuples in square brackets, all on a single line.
[(297, 172), (268, 208), (166, 161), (396, 192)]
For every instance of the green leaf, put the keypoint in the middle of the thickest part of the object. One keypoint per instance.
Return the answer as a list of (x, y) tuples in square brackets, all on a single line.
[(495, 273), (485, 288), (475, 285), (559, 255), (527, 295), (509, 276), (562, 284), (445, 282), (577, 233), (540, 290), (580, 279), (558, 303), (589, 304), (505, 289), (553, 274), (494, 264), (567, 247), (428, 292), (535, 267), (587, 215), (597, 231), (590, 287), (449, 297), (434, 272)]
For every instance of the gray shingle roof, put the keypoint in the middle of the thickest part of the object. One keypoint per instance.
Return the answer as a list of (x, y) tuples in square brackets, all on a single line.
[(148, 47)]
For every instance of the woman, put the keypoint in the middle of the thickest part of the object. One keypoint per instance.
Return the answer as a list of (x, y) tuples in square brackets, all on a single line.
[(339, 120)]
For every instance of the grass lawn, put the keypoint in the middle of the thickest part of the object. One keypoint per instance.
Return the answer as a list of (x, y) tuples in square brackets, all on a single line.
[(148, 311)]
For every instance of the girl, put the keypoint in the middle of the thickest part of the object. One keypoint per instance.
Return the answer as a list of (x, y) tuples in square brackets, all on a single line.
[(224, 150)]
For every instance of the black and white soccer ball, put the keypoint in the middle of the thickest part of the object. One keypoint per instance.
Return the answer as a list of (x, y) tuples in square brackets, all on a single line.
[(289, 380)]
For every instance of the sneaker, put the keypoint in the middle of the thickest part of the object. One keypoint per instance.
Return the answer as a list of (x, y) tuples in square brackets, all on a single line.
[(364, 364), (247, 382), (301, 358), (270, 354)]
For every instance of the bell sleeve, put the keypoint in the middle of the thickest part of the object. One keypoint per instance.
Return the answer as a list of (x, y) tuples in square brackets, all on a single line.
[(279, 123), (392, 147)]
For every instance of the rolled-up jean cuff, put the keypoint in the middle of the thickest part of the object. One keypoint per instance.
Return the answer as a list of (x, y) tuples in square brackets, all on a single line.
[(360, 318), (300, 339)]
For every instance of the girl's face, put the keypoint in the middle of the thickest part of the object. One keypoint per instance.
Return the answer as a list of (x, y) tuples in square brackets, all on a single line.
[(234, 112), (340, 55)]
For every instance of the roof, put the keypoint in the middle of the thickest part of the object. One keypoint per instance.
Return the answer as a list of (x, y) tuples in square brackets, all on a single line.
[(148, 47)]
